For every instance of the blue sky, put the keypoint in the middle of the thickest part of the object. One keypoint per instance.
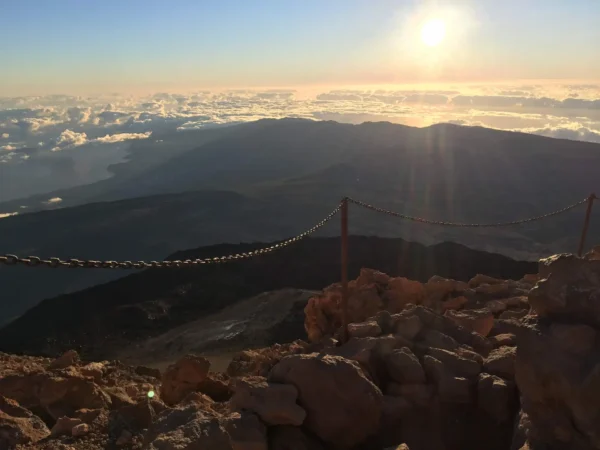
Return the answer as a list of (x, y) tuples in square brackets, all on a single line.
[(47, 46)]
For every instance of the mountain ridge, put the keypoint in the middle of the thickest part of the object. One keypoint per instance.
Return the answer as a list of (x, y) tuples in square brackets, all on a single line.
[(98, 319), (289, 174)]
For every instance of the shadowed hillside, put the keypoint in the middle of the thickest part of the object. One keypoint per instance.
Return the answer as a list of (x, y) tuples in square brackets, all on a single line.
[(282, 176), (97, 320)]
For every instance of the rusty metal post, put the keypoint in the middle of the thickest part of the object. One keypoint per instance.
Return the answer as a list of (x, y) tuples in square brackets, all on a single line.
[(586, 223), (344, 266)]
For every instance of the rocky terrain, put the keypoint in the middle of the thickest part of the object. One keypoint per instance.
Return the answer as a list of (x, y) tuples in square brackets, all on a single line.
[(448, 365), (99, 322)]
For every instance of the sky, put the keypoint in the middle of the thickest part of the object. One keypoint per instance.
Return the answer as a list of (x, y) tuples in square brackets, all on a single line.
[(75, 46), (83, 81)]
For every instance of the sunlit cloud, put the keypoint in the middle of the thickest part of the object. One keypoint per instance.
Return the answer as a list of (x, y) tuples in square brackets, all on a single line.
[(54, 142), (53, 200), (120, 137), (3, 215)]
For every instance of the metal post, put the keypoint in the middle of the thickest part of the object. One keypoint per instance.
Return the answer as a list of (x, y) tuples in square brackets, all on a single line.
[(344, 234), (586, 223)]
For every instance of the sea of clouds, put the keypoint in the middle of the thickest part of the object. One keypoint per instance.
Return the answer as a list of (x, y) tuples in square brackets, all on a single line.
[(55, 141)]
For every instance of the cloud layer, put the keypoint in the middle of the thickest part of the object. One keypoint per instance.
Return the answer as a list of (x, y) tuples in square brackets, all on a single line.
[(59, 140)]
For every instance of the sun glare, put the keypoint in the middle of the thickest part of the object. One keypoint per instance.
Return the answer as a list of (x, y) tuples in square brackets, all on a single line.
[(433, 32)]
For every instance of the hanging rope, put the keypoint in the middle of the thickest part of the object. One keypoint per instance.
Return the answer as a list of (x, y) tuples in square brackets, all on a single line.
[(36, 261), (468, 225)]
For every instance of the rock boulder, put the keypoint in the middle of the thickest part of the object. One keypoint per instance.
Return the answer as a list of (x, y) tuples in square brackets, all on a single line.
[(342, 406)]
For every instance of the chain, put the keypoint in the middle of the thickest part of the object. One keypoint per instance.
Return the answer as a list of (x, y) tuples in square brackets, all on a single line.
[(35, 261), (471, 225)]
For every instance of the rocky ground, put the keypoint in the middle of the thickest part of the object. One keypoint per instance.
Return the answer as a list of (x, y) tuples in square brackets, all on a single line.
[(445, 365)]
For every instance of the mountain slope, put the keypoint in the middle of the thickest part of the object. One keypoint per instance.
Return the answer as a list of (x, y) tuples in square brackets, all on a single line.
[(288, 174), (99, 320)]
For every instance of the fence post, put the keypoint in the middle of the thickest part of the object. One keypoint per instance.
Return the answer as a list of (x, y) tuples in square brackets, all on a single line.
[(586, 223), (344, 266)]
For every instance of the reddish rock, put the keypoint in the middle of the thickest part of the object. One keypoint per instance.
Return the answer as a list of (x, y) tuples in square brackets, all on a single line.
[(246, 432), (459, 366), (520, 302), (323, 313), (434, 338), (393, 410), (550, 299), (407, 326), (343, 408), (419, 395), (438, 288), (493, 291), (455, 303), (593, 254), (199, 399), (292, 438), (574, 338), (19, 425), (449, 387), (186, 428), (496, 397), (363, 303), (364, 329), (124, 439), (530, 278), (87, 415), (137, 416), (67, 359), (514, 314), (469, 354), (404, 367), (119, 397), (480, 279), (385, 321), (183, 377), (80, 430), (370, 276), (478, 321), (94, 370), (496, 306), (501, 340), (501, 362), (559, 388), (366, 351), (64, 425), (401, 292), (216, 386), (274, 403)]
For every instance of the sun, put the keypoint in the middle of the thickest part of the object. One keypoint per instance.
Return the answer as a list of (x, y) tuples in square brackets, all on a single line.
[(433, 32)]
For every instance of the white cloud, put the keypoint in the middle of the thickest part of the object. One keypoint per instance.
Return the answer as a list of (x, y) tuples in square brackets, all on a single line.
[(78, 114), (120, 137), (8, 147), (3, 215), (573, 131), (53, 200), (5, 135), (70, 139)]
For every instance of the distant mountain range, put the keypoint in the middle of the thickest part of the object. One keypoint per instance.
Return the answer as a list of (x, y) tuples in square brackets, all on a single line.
[(101, 320), (272, 179)]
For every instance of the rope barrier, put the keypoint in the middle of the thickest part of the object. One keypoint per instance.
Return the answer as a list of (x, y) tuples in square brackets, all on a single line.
[(467, 225), (35, 261)]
